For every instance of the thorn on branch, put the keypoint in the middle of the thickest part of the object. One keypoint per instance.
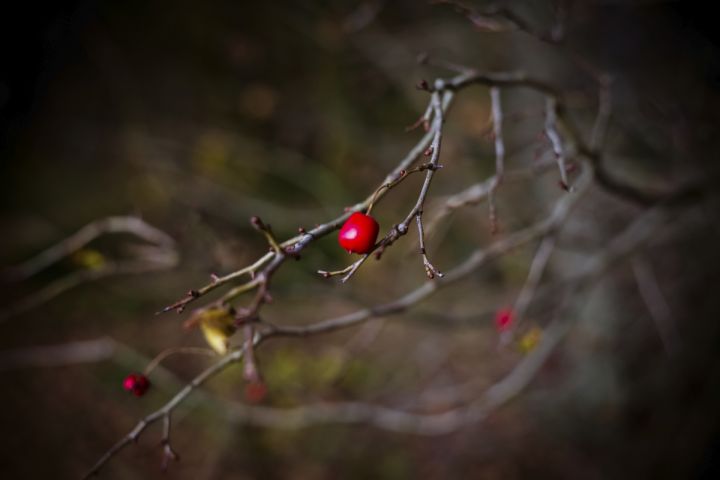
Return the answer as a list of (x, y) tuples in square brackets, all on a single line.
[(178, 306)]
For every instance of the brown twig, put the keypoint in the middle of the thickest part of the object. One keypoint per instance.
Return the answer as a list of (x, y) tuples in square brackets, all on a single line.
[(91, 231), (169, 454), (638, 232), (656, 304), (80, 277), (497, 116), (295, 245), (442, 94), (160, 357), (135, 433), (551, 131)]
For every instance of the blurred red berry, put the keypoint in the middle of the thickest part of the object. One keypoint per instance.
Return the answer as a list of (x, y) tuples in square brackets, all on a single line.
[(358, 233), (503, 319), (255, 392), (136, 383)]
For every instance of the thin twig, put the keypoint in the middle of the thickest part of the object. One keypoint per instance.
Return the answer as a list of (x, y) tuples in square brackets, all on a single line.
[(135, 433), (555, 140), (439, 99), (403, 421), (478, 258), (478, 192), (442, 94), (497, 116), (629, 240), (80, 277), (529, 288), (296, 244), (656, 304), (159, 358), (430, 270), (169, 454), (85, 235)]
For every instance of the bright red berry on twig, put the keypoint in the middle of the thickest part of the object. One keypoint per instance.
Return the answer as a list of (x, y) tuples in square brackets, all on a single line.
[(358, 233), (503, 319), (136, 383)]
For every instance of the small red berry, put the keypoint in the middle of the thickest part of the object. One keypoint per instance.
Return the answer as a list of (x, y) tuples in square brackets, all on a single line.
[(136, 383), (359, 233), (503, 319), (255, 392)]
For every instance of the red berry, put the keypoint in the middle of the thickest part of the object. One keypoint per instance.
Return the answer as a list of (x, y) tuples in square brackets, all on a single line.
[(503, 319), (255, 392), (358, 233), (136, 383)]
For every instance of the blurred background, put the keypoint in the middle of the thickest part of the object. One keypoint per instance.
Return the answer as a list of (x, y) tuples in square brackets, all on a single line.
[(197, 115)]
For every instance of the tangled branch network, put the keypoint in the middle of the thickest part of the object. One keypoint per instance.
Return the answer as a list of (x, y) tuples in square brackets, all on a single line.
[(579, 165)]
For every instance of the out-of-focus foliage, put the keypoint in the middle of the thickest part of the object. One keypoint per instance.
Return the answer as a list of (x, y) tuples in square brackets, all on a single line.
[(197, 115)]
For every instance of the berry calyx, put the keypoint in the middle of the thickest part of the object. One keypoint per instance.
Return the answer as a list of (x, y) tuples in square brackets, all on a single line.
[(359, 233), (137, 384), (503, 319)]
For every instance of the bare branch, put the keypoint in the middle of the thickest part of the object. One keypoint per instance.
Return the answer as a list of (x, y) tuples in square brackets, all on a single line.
[(537, 268), (478, 192), (656, 304), (163, 412), (630, 239), (260, 272), (403, 421), (438, 119), (295, 245), (169, 454), (159, 358), (497, 116), (161, 255), (478, 258), (77, 278), (85, 235), (555, 140)]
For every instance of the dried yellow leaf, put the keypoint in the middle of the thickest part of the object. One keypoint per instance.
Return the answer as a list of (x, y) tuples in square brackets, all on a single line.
[(217, 325)]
